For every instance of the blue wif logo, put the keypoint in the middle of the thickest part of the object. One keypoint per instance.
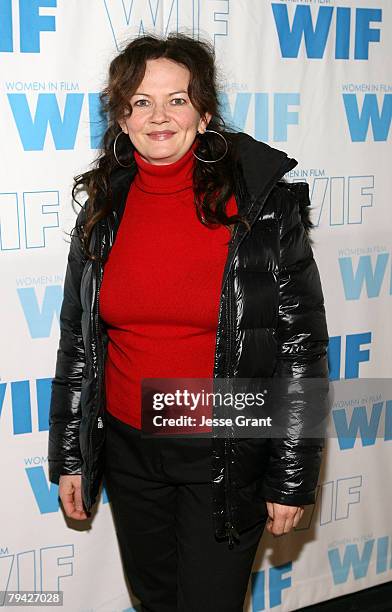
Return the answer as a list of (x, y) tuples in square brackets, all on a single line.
[(376, 112), (31, 24), (353, 355), (374, 553), (360, 425), (367, 276), (316, 34), (32, 129), (278, 581)]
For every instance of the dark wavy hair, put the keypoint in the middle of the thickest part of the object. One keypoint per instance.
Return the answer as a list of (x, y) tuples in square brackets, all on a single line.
[(213, 183)]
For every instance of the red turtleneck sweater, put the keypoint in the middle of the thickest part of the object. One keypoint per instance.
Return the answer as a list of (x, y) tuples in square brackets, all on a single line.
[(161, 287)]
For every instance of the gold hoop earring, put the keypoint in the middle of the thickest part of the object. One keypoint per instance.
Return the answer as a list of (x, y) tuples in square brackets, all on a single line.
[(213, 161), (115, 154)]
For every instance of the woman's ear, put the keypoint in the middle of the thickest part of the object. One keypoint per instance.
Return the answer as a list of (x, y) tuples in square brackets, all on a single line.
[(123, 125), (203, 123)]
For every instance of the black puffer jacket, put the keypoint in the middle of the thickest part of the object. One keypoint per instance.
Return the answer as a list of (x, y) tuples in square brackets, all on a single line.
[(271, 323)]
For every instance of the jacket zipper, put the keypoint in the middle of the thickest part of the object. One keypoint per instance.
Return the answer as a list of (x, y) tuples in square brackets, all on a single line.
[(98, 274), (231, 530)]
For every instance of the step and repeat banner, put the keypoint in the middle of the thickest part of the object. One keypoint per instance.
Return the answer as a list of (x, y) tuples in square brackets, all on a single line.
[(308, 77)]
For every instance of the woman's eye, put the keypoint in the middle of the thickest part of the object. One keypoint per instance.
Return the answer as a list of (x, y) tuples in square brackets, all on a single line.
[(175, 102)]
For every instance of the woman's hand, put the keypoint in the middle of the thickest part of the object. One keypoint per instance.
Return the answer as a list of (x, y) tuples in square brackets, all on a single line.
[(282, 519), (70, 493)]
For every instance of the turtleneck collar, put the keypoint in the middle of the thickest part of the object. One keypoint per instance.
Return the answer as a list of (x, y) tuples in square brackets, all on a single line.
[(165, 178)]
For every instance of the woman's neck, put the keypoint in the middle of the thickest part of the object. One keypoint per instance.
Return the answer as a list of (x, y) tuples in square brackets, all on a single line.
[(165, 178)]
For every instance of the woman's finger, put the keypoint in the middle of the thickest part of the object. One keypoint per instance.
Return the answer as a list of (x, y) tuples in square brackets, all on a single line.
[(79, 502), (71, 503), (67, 499), (288, 524)]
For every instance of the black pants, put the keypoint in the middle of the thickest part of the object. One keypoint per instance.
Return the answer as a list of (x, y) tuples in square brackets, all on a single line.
[(161, 499)]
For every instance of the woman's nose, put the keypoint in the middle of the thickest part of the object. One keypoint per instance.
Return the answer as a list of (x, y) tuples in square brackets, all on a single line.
[(159, 113)]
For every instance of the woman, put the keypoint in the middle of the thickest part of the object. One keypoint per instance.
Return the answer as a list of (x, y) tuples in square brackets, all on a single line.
[(191, 259)]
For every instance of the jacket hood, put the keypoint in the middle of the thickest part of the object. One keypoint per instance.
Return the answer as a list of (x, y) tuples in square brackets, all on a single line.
[(260, 164)]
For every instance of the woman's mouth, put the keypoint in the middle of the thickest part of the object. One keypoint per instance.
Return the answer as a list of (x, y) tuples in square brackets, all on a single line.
[(164, 135)]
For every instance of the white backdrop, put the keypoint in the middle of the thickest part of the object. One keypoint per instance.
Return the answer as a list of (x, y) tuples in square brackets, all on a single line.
[(308, 77)]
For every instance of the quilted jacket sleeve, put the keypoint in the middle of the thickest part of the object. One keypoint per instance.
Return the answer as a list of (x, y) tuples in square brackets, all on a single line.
[(64, 416), (302, 340)]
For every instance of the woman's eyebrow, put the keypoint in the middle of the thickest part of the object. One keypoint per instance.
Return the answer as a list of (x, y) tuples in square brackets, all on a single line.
[(139, 93)]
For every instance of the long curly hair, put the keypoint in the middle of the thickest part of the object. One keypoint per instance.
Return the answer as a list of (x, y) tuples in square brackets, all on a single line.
[(213, 184)]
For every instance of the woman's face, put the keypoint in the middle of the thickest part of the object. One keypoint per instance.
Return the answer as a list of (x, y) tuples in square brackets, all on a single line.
[(163, 123)]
